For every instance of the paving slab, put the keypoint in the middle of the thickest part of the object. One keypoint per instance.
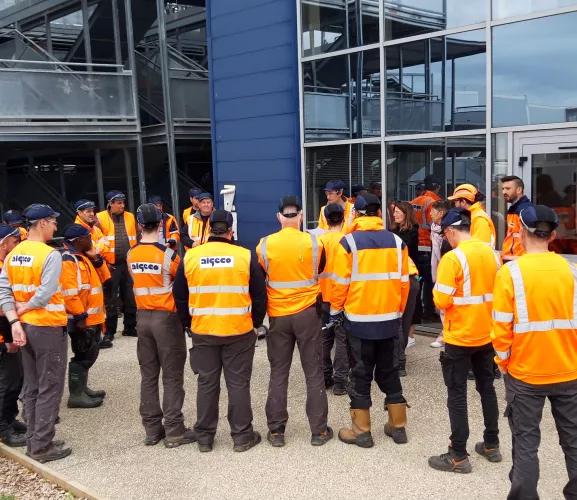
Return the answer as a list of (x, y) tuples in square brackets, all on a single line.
[(109, 457)]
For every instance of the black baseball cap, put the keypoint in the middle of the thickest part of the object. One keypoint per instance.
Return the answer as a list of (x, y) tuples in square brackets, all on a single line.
[(221, 221), (115, 195), (194, 192), (456, 217), (203, 196), (539, 220), (148, 214), (357, 188), (367, 202), (74, 231), (37, 211), (13, 217), (289, 201)]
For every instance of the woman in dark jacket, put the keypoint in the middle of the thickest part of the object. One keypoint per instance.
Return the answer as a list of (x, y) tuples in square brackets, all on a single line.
[(406, 227)]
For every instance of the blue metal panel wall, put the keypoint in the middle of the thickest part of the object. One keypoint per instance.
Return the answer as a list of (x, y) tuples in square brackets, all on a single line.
[(255, 110)]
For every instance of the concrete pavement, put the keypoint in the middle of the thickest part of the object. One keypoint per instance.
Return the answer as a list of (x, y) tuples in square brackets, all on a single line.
[(109, 457)]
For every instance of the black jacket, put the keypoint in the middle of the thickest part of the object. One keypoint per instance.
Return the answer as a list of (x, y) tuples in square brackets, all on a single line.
[(411, 239)]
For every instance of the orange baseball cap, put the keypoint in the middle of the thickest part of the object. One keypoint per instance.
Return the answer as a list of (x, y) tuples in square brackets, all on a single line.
[(465, 192)]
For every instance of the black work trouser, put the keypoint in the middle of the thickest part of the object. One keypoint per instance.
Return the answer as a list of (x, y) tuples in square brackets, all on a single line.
[(424, 305), (234, 357), (119, 284), (407, 319), (376, 359), (524, 411), (337, 370), (85, 352), (11, 378), (455, 363)]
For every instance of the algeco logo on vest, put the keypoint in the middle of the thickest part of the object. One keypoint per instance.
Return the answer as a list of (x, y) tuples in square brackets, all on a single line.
[(145, 268), (220, 261), (22, 260)]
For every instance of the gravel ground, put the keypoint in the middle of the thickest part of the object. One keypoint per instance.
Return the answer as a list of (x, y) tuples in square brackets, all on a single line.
[(19, 483)]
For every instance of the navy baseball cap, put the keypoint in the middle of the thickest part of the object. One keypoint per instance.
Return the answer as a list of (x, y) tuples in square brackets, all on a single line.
[(221, 221), (115, 195), (367, 202), (204, 196), (37, 211), (456, 217), (290, 201), (155, 199), (6, 231), (13, 217), (540, 220), (74, 231), (335, 185), (148, 214), (84, 204), (431, 181), (194, 192)]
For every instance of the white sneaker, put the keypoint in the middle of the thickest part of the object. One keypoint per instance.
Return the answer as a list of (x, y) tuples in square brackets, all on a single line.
[(411, 342), (437, 343)]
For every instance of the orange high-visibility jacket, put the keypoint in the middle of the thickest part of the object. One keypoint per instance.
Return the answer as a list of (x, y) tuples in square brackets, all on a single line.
[(81, 283), (99, 241), (348, 221), (153, 268), (24, 269), (218, 276), (197, 228), (482, 227), (107, 226), (371, 268), (290, 259), (413, 271), (512, 244), (186, 214), (330, 241), (23, 233), (170, 229), (464, 293), (422, 205), (535, 319)]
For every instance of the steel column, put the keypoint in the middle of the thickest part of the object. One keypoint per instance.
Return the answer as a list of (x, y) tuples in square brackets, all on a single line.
[(99, 179)]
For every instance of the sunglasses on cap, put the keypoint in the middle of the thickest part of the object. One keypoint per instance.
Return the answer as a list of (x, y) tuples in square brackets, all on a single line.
[(290, 215)]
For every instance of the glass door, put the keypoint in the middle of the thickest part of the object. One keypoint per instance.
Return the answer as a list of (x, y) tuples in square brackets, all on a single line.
[(547, 163)]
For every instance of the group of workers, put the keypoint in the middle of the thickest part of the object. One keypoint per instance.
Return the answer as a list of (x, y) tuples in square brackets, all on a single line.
[(347, 284)]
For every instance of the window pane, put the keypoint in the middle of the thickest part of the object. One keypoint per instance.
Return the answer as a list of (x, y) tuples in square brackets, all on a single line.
[(327, 101), (366, 167), (535, 82), (365, 68), (413, 17), (508, 8)]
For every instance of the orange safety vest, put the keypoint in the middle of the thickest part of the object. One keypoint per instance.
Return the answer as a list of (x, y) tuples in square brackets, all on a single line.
[(371, 281), (413, 271), (23, 233), (153, 268), (348, 221), (24, 269), (464, 293), (482, 227), (512, 244), (422, 205), (169, 229), (81, 285), (330, 241), (197, 228), (290, 259), (535, 319), (218, 276), (186, 214), (107, 226), (99, 241)]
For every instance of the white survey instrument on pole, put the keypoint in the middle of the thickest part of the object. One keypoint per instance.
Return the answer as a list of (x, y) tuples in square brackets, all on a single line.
[(228, 193)]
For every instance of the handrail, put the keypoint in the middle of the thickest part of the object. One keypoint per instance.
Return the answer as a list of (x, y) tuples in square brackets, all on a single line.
[(67, 65)]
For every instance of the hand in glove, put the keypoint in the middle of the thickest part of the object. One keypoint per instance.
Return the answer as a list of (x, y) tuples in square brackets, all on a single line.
[(334, 320)]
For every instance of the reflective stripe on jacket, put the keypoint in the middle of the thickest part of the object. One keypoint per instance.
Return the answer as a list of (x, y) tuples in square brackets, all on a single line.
[(482, 227), (512, 244), (290, 259), (99, 241), (464, 293), (153, 268), (330, 241), (169, 229), (535, 319), (24, 269), (422, 205), (371, 270), (81, 285), (198, 228), (107, 226), (218, 276)]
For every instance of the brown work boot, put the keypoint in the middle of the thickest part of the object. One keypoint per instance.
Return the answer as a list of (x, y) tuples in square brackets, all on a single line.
[(395, 427), (360, 431)]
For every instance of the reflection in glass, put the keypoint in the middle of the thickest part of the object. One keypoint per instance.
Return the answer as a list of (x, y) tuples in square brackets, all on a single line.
[(452, 161), (365, 69), (508, 8), (366, 167), (500, 162), (553, 184), (436, 84), (535, 82), (338, 24), (405, 18)]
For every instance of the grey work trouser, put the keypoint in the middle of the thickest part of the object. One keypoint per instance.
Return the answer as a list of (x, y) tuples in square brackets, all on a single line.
[(304, 329), (336, 371), (161, 346), (209, 358), (407, 319), (524, 410), (44, 359)]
